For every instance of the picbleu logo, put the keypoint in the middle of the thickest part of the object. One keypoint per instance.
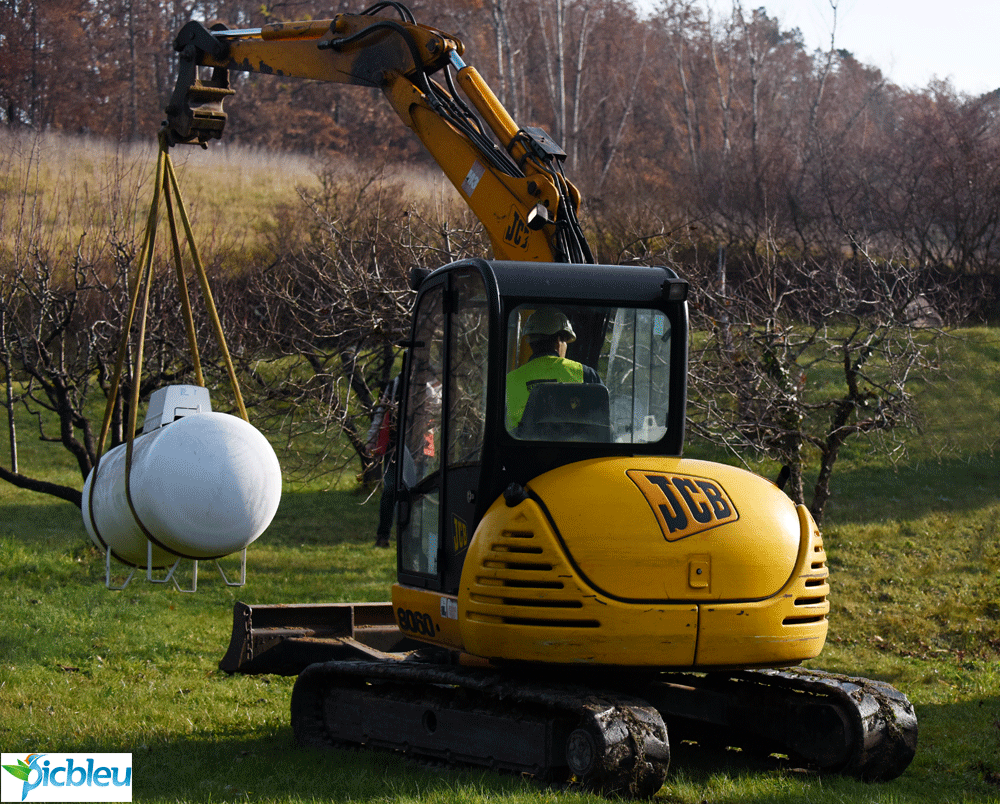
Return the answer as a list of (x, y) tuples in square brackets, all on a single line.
[(66, 777)]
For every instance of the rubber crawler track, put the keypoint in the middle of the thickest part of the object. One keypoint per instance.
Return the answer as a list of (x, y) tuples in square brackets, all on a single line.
[(608, 743), (839, 724), (885, 722)]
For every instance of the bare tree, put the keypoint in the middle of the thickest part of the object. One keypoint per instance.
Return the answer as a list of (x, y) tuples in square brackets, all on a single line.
[(938, 191), (61, 315), (319, 329), (506, 52), (63, 301), (802, 357)]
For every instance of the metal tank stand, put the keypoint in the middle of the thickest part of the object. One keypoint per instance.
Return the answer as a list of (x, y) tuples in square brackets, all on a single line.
[(107, 573), (169, 577)]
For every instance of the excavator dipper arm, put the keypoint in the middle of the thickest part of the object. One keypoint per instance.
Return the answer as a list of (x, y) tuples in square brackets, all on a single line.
[(511, 177)]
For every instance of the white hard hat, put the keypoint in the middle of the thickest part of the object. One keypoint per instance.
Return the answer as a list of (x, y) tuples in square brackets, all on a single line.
[(549, 321)]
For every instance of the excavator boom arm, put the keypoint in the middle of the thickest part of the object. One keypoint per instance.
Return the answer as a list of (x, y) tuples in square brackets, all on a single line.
[(510, 177)]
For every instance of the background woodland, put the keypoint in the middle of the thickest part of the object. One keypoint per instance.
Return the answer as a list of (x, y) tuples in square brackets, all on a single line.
[(670, 119), (831, 223)]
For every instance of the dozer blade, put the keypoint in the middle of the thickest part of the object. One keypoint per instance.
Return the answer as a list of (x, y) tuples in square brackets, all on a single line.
[(285, 639)]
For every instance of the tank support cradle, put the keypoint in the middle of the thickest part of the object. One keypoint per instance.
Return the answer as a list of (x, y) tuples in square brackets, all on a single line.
[(170, 576)]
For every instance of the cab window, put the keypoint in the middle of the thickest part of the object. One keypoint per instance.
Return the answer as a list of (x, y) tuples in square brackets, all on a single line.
[(587, 373), (421, 458), (470, 334)]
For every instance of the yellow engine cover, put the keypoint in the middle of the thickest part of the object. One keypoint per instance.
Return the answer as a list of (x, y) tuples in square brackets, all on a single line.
[(666, 519), (646, 561)]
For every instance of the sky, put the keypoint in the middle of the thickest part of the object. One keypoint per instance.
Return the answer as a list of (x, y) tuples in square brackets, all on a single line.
[(910, 41)]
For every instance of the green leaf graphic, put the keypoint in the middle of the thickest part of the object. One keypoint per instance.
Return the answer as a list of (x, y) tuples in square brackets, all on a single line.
[(21, 771)]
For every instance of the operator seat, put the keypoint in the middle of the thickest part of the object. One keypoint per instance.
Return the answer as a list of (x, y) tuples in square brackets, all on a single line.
[(557, 411)]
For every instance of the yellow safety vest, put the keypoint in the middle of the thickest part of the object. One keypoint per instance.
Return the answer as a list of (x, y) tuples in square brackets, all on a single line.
[(545, 368)]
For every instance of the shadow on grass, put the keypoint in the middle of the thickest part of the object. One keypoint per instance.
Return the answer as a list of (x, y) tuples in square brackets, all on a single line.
[(43, 517), (312, 518), (272, 767), (860, 495), (867, 494), (327, 516), (957, 762), (961, 741), (957, 759)]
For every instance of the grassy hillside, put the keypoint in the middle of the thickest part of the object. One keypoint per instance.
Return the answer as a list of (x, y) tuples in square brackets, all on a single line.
[(73, 194), (912, 539), (914, 548)]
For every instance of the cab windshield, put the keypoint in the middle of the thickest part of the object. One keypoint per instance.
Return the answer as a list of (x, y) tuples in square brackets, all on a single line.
[(587, 373)]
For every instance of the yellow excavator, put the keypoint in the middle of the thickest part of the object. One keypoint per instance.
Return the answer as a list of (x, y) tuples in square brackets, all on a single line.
[(569, 588)]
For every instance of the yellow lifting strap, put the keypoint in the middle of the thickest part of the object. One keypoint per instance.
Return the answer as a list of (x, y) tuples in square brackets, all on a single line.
[(165, 184)]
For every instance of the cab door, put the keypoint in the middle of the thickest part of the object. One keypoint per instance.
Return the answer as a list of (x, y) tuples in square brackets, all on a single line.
[(442, 437)]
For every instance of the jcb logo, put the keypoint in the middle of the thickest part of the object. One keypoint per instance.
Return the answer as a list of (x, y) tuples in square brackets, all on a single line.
[(460, 535), (518, 231), (684, 505)]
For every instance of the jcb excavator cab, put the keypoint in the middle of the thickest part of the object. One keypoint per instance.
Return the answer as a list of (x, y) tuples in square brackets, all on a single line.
[(544, 511), (459, 448)]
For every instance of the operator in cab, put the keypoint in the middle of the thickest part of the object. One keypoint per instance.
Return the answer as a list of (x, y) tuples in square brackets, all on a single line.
[(549, 333)]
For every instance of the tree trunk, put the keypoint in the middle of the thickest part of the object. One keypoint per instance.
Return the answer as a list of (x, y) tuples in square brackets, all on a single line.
[(72, 495)]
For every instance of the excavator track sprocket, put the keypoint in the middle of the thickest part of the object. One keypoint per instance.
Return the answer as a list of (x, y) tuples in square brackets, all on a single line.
[(607, 743)]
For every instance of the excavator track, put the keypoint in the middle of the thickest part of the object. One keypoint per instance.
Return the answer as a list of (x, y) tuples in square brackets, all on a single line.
[(609, 739), (606, 742), (607, 731), (837, 724)]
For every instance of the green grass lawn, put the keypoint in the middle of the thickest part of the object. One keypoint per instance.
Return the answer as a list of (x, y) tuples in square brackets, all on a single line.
[(914, 550)]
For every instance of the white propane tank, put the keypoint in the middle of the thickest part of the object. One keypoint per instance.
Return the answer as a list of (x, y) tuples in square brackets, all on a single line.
[(203, 484)]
